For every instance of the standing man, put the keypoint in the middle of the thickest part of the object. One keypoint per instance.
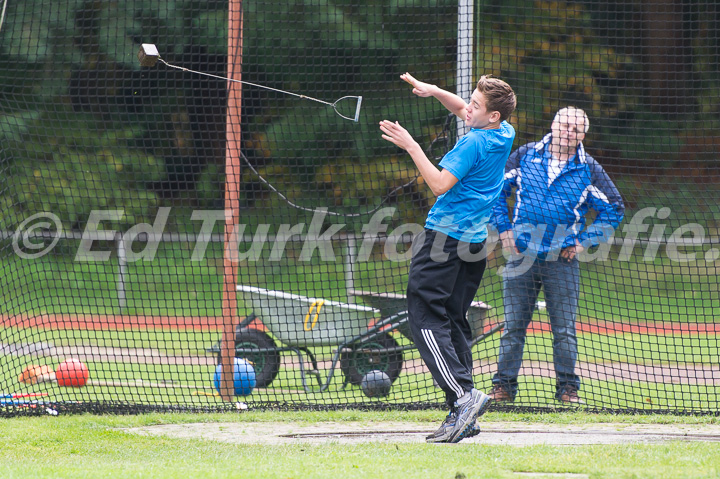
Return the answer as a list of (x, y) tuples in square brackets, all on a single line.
[(449, 259), (556, 183)]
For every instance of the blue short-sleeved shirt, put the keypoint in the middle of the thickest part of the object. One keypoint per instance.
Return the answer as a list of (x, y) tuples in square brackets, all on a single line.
[(478, 162)]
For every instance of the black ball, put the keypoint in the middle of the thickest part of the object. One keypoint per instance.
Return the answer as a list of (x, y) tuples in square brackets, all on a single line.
[(376, 384)]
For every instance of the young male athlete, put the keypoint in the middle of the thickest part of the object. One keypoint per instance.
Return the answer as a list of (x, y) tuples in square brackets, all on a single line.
[(448, 259)]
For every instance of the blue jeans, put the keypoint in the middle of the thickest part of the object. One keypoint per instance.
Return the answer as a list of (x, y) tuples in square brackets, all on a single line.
[(560, 280)]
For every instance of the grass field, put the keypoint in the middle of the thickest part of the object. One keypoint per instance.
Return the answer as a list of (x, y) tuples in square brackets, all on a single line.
[(628, 291), (97, 447)]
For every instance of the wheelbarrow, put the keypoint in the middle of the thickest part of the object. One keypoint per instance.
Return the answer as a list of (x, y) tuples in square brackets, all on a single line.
[(361, 337), (361, 334)]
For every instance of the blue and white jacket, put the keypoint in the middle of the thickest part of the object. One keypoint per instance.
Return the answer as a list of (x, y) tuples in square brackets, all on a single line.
[(549, 217)]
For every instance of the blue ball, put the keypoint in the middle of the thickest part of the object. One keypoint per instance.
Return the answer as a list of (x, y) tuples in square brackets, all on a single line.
[(243, 377)]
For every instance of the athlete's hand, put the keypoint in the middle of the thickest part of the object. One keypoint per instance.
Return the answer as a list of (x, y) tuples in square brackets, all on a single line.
[(419, 88), (396, 134)]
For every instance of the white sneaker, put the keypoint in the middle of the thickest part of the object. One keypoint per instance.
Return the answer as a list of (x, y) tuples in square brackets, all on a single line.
[(467, 413)]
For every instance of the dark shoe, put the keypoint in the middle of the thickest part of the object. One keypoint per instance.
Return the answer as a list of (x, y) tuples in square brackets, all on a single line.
[(474, 431), (467, 413), (500, 394), (569, 395), (445, 430)]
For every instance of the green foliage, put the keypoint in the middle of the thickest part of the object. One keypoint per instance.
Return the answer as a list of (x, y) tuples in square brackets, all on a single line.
[(210, 29), (15, 125), (88, 49), (554, 52), (28, 29), (557, 53), (71, 173), (548, 52)]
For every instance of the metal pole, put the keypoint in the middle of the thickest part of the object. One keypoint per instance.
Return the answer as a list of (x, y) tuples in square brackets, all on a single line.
[(232, 195), (465, 85), (350, 253), (122, 270)]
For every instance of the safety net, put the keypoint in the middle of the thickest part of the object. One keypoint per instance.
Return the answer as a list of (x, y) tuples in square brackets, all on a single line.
[(199, 212)]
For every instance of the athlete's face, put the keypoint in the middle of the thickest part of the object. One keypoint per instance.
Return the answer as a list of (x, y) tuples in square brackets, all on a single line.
[(477, 115)]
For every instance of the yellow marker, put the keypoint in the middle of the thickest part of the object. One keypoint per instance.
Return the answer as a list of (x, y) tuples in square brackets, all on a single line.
[(203, 393), (316, 306)]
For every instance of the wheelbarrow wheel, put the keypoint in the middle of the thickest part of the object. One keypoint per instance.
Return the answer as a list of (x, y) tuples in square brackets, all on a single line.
[(358, 362), (266, 363)]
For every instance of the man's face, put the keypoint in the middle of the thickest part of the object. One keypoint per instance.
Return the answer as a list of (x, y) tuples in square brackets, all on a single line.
[(568, 131), (477, 115)]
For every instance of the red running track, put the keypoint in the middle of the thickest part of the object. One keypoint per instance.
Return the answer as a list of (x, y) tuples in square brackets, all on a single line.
[(117, 322), (609, 328), (202, 323)]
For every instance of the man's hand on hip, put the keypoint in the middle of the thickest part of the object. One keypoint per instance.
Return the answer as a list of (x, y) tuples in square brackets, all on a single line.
[(570, 252)]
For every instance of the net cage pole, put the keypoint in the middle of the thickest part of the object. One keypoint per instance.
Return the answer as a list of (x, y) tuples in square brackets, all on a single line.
[(232, 183), (464, 56)]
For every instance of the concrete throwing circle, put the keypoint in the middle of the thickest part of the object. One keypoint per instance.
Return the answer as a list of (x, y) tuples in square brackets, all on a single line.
[(492, 433)]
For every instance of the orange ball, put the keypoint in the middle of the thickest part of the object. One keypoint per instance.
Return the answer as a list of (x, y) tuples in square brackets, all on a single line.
[(72, 372), (34, 374)]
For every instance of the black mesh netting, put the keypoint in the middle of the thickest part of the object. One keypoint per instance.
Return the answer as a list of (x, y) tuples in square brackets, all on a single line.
[(125, 288)]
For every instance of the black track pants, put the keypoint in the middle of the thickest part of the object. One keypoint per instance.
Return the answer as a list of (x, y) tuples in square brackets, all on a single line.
[(444, 277)]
